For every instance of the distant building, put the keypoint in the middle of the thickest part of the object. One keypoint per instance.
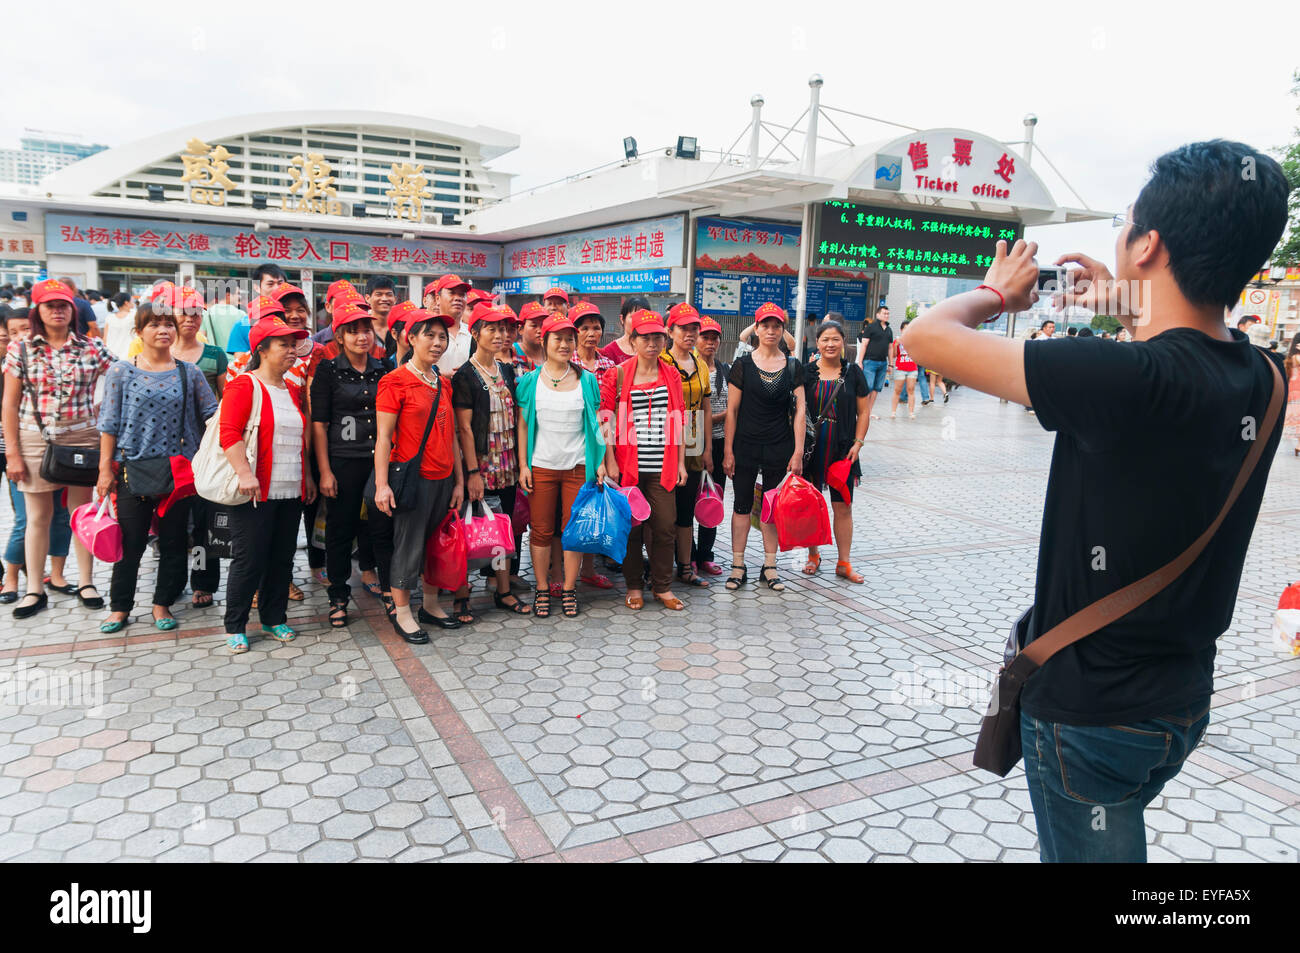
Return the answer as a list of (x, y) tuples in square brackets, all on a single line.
[(39, 155)]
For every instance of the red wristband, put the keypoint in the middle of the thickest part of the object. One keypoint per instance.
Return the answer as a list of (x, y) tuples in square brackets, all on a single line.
[(1001, 299)]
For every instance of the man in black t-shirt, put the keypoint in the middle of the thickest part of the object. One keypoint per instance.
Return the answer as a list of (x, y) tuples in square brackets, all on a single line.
[(873, 354), (1168, 421)]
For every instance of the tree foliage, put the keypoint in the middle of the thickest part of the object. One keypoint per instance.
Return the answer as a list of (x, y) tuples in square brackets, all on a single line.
[(1288, 250), (1104, 322)]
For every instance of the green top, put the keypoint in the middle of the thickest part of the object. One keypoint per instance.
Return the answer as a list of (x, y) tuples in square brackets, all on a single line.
[(213, 363), (217, 322), (526, 402)]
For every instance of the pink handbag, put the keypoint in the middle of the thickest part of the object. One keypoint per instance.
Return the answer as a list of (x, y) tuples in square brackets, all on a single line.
[(708, 504), (637, 501), (489, 535), (95, 525), (769, 501)]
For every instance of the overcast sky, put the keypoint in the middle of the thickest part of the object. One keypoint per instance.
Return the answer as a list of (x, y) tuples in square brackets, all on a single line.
[(1113, 84)]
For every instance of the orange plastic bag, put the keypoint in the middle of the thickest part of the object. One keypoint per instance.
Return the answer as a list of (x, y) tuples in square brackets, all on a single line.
[(802, 517), (446, 554)]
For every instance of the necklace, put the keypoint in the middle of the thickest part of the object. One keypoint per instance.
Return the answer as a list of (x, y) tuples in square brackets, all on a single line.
[(493, 375), (423, 376), (557, 381)]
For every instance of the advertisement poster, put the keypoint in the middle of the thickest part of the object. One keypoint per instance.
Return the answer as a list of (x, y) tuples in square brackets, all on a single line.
[(770, 248), (652, 244)]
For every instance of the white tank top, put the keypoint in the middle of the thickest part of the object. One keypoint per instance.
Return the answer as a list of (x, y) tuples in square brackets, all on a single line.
[(286, 447)]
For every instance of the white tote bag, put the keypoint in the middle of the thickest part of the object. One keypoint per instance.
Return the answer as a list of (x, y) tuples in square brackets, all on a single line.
[(214, 478)]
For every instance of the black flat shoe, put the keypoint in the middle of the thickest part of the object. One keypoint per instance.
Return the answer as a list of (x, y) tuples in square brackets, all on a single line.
[(442, 621), (68, 589), (26, 612), (418, 637), (8, 596), (94, 602)]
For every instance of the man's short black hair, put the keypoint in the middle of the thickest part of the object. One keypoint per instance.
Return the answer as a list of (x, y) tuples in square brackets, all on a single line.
[(883, 307), (1085, 332), (1220, 208), (94, 295), (1246, 321), (1046, 323), (634, 303), (268, 270), (1071, 332), (375, 282)]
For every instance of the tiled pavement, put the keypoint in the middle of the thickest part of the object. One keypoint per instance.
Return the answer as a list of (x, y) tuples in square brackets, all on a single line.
[(834, 722)]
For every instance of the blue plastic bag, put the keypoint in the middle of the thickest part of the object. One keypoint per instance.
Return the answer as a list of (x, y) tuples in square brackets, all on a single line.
[(599, 522)]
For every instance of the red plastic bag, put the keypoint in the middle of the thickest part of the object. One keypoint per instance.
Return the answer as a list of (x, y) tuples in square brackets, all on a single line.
[(522, 513), (446, 554), (802, 517)]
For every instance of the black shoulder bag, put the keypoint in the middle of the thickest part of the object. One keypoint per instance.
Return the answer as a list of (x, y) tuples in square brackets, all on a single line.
[(403, 475), (154, 476), (63, 466)]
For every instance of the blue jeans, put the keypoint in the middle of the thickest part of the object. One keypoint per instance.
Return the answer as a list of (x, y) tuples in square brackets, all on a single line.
[(923, 379), (1090, 785), (60, 530), (875, 374)]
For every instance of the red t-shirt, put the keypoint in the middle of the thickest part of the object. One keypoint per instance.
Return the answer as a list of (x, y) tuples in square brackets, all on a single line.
[(904, 362), (402, 392), (614, 352)]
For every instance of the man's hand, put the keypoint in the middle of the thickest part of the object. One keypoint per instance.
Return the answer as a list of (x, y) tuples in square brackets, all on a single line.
[(1015, 274), (1091, 286)]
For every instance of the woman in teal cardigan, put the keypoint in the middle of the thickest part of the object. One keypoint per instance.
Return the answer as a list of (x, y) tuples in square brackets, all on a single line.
[(560, 449)]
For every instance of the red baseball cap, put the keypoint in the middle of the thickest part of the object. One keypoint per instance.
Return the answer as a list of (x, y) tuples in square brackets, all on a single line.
[(446, 281), (709, 326), (351, 297), (532, 310), (345, 312), (646, 322), (557, 322), (770, 310), (485, 312), (286, 289), (337, 287), (556, 293), (415, 316), (261, 307), (585, 309), (683, 314), (160, 288), (477, 296), (51, 290), (272, 327), (402, 312)]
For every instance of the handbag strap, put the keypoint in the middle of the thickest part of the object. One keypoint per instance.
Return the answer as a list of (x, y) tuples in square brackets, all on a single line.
[(180, 369), (428, 427), (1106, 610), (31, 394)]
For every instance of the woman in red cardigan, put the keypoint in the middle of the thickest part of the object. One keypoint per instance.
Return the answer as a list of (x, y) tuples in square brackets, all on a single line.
[(642, 400), (264, 531)]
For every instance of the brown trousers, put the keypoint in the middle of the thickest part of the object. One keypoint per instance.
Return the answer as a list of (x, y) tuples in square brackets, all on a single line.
[(659, 533)]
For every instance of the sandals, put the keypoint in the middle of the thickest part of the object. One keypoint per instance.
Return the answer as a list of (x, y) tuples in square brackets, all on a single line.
[(686, 573), (281, 632), (634, 601), (773, 581), (542, 604), (94, 602), (338, 614), (670, 602), (814, 564), (320, 576), (845, 571), (390, 608), (295, 593), (735, 582), (201, 600), (598, 581), (460, 609), (517, 607), (238, 644), (373, 588), (569, 603), (712, 568)]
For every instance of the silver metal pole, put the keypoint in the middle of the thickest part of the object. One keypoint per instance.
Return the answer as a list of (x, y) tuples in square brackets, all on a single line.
[(806, 227), (756, 126), (1030, 122)]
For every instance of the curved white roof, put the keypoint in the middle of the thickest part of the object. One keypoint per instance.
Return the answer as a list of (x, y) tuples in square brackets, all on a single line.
[(101, 170)]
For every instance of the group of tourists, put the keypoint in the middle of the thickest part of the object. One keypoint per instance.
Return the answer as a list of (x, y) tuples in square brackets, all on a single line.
[(388, 418)]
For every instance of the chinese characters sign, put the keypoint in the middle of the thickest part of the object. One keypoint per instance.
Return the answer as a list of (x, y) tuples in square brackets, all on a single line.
[(914, 241), (723, 244), (958, 164), (408, 190), (650, 281), (201, 242), (651, 244), (21, 247), (205, 171)]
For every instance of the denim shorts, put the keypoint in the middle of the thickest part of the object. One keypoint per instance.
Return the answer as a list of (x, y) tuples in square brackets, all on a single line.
[(875, 374), (904, 376)]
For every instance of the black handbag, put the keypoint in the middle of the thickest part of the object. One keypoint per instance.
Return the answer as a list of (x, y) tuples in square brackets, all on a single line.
[(63, 466), (153, 476), (998, 748), (403, 476)]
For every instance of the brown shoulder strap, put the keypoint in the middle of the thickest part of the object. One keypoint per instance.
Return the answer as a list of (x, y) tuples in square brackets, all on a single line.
[(1109, 608)]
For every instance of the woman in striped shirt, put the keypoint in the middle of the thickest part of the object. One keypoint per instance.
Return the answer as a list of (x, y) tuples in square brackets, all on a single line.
[(642, 399)]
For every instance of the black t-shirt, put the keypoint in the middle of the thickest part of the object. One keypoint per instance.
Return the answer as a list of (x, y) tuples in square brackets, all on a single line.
[(877, 338), (1150, 437), (85, 316), (764, 417)]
